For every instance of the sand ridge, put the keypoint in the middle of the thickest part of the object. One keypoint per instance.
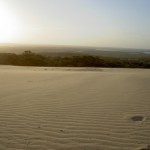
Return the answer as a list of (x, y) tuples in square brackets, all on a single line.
[(74, 108)]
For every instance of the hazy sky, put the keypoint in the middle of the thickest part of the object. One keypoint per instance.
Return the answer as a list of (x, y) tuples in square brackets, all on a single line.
[(111, 23)]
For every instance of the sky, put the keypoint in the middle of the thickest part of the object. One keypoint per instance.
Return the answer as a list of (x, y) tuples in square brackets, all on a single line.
[(100, 23)]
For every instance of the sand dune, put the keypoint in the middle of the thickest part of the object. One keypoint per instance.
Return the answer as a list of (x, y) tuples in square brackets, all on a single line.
[(74, 109)]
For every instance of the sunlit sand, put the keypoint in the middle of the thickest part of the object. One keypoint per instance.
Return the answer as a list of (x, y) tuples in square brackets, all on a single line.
[(74, 109)]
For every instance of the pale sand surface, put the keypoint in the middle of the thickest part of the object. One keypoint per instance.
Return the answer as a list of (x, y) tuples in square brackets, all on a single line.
[(74, 109)]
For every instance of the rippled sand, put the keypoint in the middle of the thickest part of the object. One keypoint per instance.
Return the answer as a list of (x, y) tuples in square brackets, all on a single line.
[(74, 109)]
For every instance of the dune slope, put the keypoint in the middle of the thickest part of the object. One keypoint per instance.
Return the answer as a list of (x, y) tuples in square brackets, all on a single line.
[(74, 109)]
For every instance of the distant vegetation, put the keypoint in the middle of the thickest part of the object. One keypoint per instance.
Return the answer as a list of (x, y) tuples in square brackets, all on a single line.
[(27, 58)]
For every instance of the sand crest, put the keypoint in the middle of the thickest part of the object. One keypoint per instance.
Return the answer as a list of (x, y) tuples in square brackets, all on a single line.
[(74, 109)]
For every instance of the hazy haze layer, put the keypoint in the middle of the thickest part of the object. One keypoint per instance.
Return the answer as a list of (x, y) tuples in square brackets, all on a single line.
[(110, 23)]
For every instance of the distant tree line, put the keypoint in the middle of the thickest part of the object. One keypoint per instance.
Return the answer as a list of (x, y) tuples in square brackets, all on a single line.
[(28, 58)]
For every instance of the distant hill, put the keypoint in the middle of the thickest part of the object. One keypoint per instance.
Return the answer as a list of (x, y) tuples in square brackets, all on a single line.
[(75, 51)]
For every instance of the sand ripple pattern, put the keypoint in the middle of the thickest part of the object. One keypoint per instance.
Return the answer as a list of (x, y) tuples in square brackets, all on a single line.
[(56, 109)]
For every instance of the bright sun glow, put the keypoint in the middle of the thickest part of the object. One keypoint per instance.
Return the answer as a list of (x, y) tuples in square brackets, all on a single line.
[(8, 25)]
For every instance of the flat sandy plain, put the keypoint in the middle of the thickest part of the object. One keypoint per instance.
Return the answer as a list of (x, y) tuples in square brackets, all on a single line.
[(74, 109)]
